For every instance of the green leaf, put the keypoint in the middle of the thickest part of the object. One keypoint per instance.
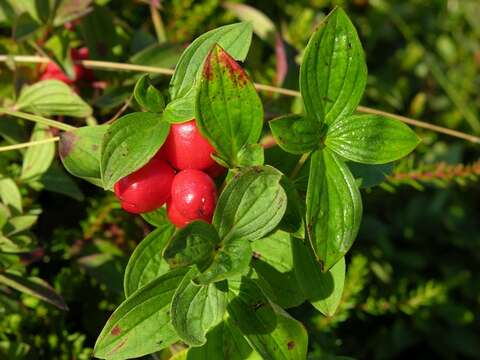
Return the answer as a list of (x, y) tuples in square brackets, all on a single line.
[(232, 259), (157, 217), (224, 341), (130, 143), (148, 96), (37, 159), (193, 244), (234, 38), (296, 134), (10, 194), (229, 112), (370, 175), (293, 220), (197, 308), (160, 55), (267, 328), (52, 97), (182, 109), (70, 10), (251, 155), (371, 139), (100, 33), (251, 205), (273, 262), (25, 26), (322, 289), (4, 215), (141, 324), (20, 223), (35, 287), (333, 73), (146, 263), (334, 207), (80, 152)]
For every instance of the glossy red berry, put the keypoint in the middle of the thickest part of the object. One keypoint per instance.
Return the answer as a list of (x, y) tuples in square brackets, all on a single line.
[(175, 217), (147, 188), (194, 195), (186, 148)]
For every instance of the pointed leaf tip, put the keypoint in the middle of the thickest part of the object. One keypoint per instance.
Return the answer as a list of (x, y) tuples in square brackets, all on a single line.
[(218, 57)]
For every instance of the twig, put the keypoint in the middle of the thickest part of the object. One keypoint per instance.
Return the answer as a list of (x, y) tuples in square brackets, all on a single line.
[(106, 65), (422, 124), (38, 119), (121, 110), (28, 144), (299, 165)]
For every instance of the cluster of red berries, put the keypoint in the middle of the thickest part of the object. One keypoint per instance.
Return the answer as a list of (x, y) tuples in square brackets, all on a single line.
[(180, 174), (53, 71)]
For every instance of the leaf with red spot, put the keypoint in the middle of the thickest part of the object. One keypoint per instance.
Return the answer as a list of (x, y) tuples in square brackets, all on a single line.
[(229, 112), (234, 38), (80, 152), (141, 324)]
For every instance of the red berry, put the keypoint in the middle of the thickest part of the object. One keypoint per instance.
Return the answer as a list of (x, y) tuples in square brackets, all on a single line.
[(194, 195), (53, 72), (147, 188), (175, 217), (215, 170), (81, 73), (186, 148)]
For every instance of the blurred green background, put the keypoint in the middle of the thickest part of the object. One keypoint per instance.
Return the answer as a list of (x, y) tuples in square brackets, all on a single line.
[(412, 288)]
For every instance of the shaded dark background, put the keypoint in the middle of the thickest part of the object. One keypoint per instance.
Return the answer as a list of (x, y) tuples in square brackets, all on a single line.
[(412, 288)]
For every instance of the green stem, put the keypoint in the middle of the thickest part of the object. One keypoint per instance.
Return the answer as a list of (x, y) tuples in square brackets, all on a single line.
[(28, 144), (299, 165), (38, 119)]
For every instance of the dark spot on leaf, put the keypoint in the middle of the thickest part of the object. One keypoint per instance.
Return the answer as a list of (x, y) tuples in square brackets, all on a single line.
[(291, 344), (67, 143), (116, 330), (256, 255), (118, 347), (235, 71), (94, 147)]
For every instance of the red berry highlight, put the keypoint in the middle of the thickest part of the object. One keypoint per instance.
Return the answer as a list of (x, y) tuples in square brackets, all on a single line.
[(186, 148), (147, 188), (194, 195)]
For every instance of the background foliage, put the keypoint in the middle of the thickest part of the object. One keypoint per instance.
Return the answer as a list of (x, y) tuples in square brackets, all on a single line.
[(411, 286)]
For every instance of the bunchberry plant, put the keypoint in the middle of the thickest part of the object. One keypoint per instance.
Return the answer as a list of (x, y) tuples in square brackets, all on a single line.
[(218, 274)]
